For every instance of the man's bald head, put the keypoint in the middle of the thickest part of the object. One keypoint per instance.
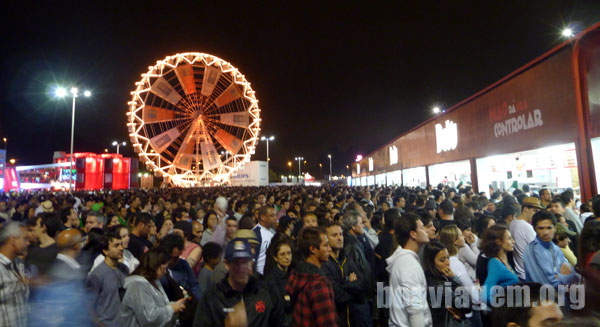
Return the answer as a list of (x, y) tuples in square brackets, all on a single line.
[(68, 238)]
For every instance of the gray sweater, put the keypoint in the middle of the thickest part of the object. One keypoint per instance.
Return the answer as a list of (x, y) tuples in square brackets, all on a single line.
[(144, 304), (104, 282)]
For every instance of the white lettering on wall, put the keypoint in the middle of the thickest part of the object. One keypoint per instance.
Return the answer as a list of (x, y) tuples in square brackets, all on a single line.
[(393, 155), (519, 123), (446, 138), (370, 164)]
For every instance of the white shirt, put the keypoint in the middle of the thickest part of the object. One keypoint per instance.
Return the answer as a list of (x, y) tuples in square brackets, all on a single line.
[(460, 271), (523, 233), (265, 239), (408, 288)]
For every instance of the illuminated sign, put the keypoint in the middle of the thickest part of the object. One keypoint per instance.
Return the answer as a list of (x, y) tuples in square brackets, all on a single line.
[(358, 169), (370, 164), (446, 138), (393, 155)]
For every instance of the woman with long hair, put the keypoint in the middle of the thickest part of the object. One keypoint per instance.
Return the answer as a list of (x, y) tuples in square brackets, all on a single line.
[(277, 271), (496, 244), (452, 237), (439, 275), (145, 302)]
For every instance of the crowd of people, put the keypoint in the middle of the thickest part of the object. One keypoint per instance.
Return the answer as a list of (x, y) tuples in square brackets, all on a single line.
[(299, 256)]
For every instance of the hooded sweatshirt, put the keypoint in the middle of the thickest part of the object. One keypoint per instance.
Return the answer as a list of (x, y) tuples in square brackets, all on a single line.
[(408, 288), (312, 297)]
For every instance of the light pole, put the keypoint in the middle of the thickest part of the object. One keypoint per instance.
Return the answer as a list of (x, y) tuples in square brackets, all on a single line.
[(299, 165), (118, 144), (290, 166), (267, 139), (5, 146), (321, 168), (226, 153), (329, 156), (348, 169), (62, 92)]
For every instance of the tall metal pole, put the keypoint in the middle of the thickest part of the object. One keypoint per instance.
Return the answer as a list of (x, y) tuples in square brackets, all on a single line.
[(71, 186), (330, 173), (118, 145)]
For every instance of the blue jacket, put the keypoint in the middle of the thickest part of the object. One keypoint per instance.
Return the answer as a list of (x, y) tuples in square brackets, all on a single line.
[(542, 264), (183, 274)]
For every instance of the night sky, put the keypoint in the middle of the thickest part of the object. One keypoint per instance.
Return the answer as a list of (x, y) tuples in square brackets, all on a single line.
[(331, 77)]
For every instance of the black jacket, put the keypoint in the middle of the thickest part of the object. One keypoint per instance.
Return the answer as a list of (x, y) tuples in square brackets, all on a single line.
[(338, 271), (441, 285), (275, 281), (354, 250), (261, 309)]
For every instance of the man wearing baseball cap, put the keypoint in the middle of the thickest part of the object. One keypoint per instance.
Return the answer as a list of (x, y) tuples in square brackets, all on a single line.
[(238, 299)]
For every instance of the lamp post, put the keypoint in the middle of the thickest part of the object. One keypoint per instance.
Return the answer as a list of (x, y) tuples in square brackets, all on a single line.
[(299, 165), (321, 168), (226, 153), (290, 166), (5, 146), (329, 156), (267, 139), (348, 169), (118, 144), (62, 92)]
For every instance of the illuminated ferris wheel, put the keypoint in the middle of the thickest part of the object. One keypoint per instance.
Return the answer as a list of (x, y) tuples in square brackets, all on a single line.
[(193, 119)]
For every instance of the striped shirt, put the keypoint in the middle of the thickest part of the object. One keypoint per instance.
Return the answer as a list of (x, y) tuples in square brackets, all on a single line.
[(14, 292)]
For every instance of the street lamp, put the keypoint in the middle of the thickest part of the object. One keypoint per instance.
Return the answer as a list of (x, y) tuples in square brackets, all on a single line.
[(290, 166), (12, 161), (321, 168), (299, 165), (267, 139), (61, 93), (5, 146), (226, 153), (329, 156), (348, 169), (436, 110), (567, 32), (118, 144)]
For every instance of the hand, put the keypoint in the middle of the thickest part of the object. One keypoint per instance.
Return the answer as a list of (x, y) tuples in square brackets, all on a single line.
[(470, 238), (238, 317), (352, 277), (179, 305), (367, 223), (448, 272), (565, 269)]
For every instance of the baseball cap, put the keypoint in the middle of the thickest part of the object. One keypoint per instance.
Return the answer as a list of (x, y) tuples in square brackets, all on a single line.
[(247, 234), (238, 248)]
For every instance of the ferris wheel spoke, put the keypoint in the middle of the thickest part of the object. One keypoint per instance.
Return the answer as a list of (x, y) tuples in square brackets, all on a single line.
[(228, 141), (210, 156), (183, 158), (231, 93), (210, 80), (164, 90), (152, 114), (163, 140), (236, 119), (185, 75)]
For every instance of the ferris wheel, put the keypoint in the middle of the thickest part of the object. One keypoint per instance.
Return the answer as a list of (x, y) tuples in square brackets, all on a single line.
[(193, 119)]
